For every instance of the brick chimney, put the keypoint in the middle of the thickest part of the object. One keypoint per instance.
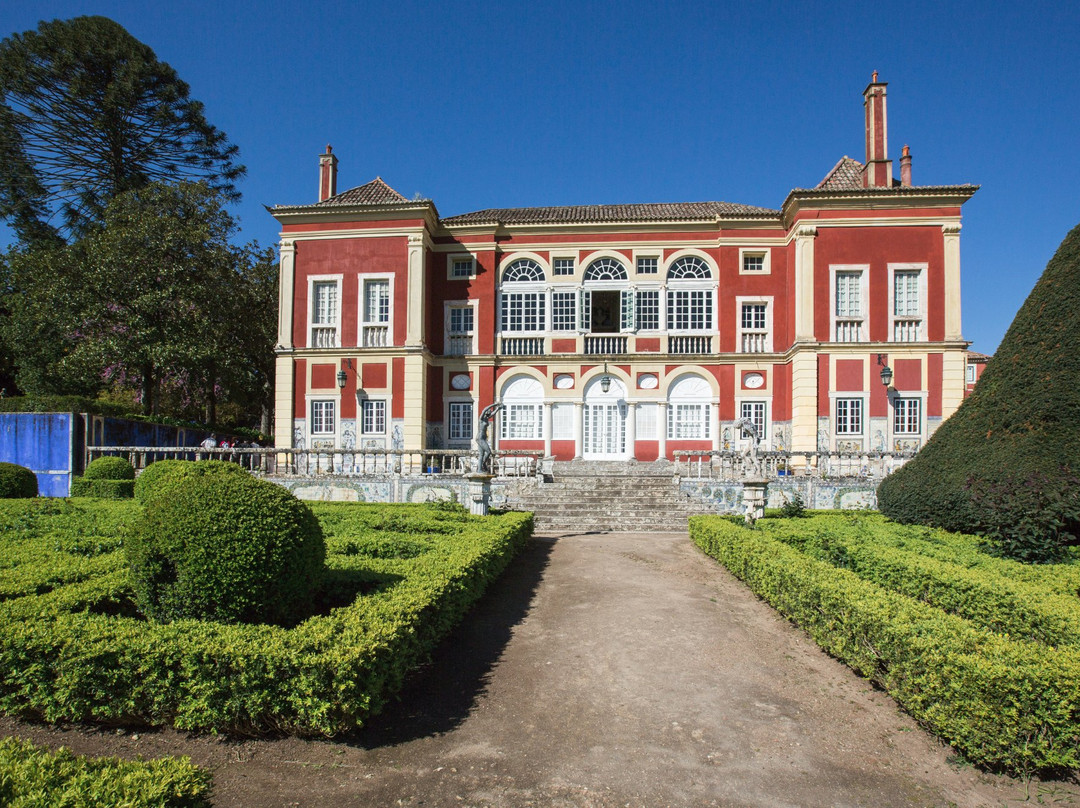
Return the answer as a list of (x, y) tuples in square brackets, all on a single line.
[(877, 173), (905, 166), (327, 174)]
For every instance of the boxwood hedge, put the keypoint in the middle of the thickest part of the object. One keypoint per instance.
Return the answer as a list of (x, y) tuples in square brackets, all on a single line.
[(1001, 702), (32, 777), (78, 651), (17, 482)]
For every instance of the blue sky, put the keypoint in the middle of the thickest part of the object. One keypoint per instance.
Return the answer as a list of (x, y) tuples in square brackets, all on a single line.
[(512, 104)]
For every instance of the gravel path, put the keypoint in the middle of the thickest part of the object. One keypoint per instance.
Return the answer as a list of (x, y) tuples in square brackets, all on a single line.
[(607, 670)]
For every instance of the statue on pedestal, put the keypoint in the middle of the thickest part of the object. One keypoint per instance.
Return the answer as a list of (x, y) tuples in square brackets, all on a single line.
[(746, 427), (483, 447)]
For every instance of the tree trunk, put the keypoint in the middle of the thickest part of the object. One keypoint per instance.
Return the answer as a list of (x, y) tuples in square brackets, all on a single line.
[(148, 401), (211, 395)]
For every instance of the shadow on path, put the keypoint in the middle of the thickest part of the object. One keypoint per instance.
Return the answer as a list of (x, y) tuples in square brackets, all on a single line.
[(439, 696)]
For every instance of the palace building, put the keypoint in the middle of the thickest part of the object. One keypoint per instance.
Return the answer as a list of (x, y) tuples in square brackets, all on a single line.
[(626, 331)]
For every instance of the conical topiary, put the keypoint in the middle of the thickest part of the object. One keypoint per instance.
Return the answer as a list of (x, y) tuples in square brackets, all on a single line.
[(1019, 429)]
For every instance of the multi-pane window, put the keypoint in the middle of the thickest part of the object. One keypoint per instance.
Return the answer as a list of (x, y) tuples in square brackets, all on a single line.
[(463, 267), (848, 294), (688, 421), (849, 416), (322, 417), (373, 417), (605, 269), (562, 266), (522, 311), (753, 316), (459, 330), (324, 314), (755, 412), (689, 309), (753, 262), (648, 309), (906, 294), (461, 320), (648, 266), (522, 421), (375, 313), (461, 420), (564, 306), (970, 374), (907, 416), (754, 324), (522, 271)]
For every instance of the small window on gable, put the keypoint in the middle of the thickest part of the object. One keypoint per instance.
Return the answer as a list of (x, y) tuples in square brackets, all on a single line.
[(462, 267), (562, 266)]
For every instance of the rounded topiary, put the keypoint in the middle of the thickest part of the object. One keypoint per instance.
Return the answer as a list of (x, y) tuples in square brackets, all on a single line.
[(226, 547), (165, 472), (1015, 441), (17, 482), (109, 468)]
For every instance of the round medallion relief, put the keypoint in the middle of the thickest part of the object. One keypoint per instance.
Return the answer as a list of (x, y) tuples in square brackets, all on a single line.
[(460, 381), (564, 381), (753, 380), (648, 381)]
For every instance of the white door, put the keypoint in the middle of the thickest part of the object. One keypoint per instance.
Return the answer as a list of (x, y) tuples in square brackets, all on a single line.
[(605, 432)]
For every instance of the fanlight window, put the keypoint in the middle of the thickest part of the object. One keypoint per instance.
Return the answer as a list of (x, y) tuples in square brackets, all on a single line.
[(689, 267), (523, 270), (605, 269)]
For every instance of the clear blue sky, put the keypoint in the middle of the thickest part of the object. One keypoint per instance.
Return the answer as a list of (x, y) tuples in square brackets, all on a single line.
[(512, 104)]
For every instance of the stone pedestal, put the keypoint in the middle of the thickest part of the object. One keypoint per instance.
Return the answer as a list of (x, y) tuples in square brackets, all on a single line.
[(479, 493), (754, 495)]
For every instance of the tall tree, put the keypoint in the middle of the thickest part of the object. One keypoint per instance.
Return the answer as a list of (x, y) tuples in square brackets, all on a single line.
[(88, 112)]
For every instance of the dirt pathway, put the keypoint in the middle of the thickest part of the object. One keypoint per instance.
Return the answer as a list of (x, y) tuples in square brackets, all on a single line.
[(607, 670)]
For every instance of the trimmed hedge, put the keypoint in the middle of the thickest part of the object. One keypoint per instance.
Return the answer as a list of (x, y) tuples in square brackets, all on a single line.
[(109, 468), (1010, 430), (31, 777), (226, 547), (77, 652), (1002, 703), (17, 482), (166, 472), (102, 489), (989, 599)]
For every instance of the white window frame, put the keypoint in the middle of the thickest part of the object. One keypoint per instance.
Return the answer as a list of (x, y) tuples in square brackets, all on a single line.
[(765, 431), (453, 405), (571, 325), (765, 253), (363, 325), (647, 256), (849, 397), (449, 335), (694, 290), (920, 401), (921, 269), (767, 342), (970, 377), (510, 421), (361, 415), (864, 298), (571, 257), (322, 402), (454, 263), (562, 420), (690, 415), (650, 290), (312, 325)]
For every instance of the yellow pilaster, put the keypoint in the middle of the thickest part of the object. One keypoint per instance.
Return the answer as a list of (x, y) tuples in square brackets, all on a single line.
[(951, 236), (285, 294), (414, 327), (953, 370), (415, 402), (804, 283), (804, 404), (283, 401)]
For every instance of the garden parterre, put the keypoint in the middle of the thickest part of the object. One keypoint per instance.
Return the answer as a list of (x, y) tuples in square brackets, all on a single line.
[(983, 655), (72, 647)]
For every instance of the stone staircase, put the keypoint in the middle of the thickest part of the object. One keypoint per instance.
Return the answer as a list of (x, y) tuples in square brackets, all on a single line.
[(607, 497)]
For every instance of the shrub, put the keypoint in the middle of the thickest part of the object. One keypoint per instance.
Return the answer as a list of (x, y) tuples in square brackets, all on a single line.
[(30, 776), (1002, 703), (226, 547), (793, 508), (1033, 519), (17, 482), (103, 489), (165, 472), (1023, 417), (109, 468)]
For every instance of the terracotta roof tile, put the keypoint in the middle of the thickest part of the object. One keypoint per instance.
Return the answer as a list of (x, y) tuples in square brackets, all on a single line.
[(846, 175), (375, 192), (588, 214)]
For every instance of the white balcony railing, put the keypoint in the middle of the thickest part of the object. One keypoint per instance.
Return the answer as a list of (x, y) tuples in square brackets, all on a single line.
[(459, 344), (605, 345), (689, 344), (376, 336), (734, 466), (755, 342), (523, 346), (849, 331), (906, 330), (323, 336)]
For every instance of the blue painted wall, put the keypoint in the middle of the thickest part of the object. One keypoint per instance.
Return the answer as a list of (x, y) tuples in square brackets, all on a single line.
[(45, 444)]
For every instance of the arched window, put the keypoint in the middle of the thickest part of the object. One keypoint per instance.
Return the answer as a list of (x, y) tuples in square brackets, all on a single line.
[(523, 270), (689, 267), (605, 269), (523, 417), (689, 409)]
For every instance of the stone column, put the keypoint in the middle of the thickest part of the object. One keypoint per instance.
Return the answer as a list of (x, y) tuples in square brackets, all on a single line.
[(285, 294), (579, 415), (631, 429), (661, 430), (547, 429)]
